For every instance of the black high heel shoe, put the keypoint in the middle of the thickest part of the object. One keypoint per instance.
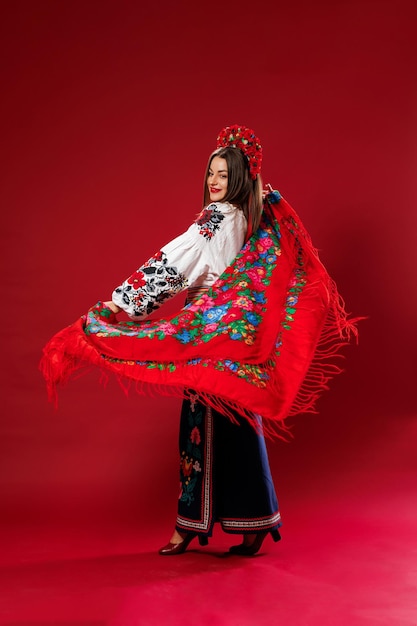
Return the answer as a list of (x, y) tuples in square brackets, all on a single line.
[(171, 549), (255, 546)]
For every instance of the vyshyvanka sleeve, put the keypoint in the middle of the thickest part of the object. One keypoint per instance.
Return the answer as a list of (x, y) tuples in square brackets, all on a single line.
[(175, 267)]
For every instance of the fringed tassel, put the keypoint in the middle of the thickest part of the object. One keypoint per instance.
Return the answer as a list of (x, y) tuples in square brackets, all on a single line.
[(336, 333), (270, 428), (66, 353)]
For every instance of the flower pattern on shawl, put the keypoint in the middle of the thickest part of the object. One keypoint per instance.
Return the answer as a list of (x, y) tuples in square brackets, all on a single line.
[(151, 285), (296, 285), (209, 221)]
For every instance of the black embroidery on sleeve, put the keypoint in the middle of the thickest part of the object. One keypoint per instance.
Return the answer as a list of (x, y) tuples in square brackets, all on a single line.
[(151, 285), (209, 221)]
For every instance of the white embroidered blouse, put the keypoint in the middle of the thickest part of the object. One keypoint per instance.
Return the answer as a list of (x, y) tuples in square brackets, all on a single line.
[(194, 259)]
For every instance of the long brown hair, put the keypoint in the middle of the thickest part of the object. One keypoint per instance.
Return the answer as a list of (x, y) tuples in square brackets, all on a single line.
[(242, 191)]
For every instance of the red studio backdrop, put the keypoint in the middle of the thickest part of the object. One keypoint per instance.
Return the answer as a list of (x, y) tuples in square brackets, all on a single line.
[(109, 112)]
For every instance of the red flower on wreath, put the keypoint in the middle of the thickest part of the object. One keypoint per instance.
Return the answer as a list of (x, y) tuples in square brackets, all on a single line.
[(245, 139)]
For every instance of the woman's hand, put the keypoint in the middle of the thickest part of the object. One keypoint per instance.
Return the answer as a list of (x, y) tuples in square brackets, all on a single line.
[(268, 189), (110, 304)]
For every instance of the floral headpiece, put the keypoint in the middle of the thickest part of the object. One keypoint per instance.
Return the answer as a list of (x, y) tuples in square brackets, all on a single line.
[(244, 138)]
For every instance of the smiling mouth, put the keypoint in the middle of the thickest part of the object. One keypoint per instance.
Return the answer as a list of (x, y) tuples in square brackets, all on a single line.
[(213, 190)]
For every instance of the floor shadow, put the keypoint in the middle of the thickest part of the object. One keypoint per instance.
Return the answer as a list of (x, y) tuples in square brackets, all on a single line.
[(120, 570)]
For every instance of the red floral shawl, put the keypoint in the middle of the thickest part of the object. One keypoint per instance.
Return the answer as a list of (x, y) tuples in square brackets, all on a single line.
[(261, 341)]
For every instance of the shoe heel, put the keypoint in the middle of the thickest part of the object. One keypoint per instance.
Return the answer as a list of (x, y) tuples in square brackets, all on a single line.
[(202, 540), (275, 535)]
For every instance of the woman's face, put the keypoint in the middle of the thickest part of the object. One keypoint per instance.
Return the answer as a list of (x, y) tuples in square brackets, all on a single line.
[(217, 179)]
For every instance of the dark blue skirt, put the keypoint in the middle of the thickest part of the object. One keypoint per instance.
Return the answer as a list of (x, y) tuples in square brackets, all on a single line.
[(224, 474)]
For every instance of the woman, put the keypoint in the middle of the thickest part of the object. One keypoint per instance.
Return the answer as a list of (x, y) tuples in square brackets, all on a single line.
[(224, 470), (258, 338)]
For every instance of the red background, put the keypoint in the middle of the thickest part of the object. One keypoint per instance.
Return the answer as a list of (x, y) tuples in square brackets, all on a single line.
[(109, 112)]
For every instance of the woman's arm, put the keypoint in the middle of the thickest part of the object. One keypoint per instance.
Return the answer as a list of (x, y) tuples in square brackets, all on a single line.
[(171, 270)]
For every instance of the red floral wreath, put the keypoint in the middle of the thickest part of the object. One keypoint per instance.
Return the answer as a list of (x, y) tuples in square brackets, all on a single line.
[(245, 139)]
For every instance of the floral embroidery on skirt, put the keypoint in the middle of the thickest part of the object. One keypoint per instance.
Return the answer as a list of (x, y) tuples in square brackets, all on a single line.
[(224, 474)]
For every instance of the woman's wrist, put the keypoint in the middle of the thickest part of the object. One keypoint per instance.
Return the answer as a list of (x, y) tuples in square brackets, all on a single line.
[(113, 307)]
